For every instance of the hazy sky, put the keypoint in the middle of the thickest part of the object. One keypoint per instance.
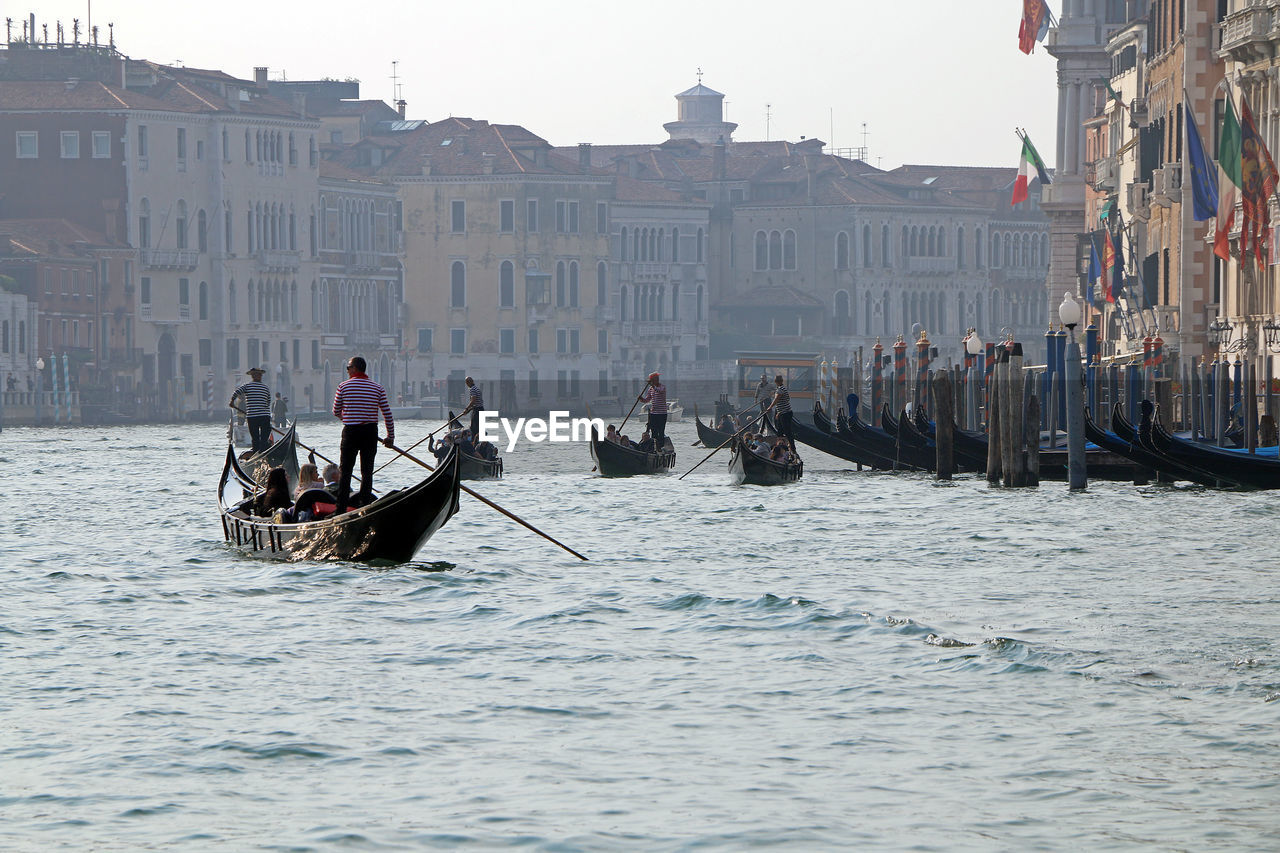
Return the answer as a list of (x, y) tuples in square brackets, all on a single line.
[(935, 81)]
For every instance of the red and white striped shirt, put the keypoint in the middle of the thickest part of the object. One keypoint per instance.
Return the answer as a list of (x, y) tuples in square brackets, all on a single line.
[(358, 401), (656, 395)]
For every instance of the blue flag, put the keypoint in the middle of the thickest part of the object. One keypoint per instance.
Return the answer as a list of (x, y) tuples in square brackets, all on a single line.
[(1204, 180), (1095, 272)]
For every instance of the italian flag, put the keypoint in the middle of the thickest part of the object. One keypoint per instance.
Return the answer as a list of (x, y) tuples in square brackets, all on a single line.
[(1030, 160), (1228, 181)]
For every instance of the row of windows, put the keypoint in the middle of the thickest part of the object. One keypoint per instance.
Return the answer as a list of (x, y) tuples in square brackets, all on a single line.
[(776, 250), (28, 144), (538, 291), (648, 302), (652, 244), (568, 341), (257, 352), (19, 344), (263, 146), (930, 311), (567, 216), (74, 282)]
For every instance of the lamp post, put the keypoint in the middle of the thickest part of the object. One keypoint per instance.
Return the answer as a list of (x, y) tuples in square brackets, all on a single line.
[(1077, 474), (973, 346), (39, 390)]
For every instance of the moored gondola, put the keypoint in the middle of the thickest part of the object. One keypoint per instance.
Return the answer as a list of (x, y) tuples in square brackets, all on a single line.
[(1244, 469), (614, 460), (747, 467), (391, 528), (837, 440), (1123, 440)]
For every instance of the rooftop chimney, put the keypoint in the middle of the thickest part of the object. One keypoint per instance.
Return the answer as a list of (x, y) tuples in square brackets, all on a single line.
[(400, 107), (260, 76), (584, 157)]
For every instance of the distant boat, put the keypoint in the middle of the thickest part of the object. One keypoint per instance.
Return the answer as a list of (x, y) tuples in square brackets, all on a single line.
[(675, 411), (748, 467), (282, 454), (614, 460)]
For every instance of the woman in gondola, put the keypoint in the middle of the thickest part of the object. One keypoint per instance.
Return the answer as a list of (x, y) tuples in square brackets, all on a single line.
[(275, 496)]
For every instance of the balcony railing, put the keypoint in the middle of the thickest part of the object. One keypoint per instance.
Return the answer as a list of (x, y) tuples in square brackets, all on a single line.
[(182, 259), (933, 265), (650, 329), (278, 261), (650, 271), (1246, 33), (362, 260)]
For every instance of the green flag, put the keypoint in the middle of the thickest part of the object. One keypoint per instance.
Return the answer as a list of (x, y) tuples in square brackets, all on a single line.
[(1228, 181), (1229, 145)]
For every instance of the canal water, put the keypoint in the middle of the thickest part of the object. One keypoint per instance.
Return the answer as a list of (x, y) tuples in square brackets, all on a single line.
[(859, 659)]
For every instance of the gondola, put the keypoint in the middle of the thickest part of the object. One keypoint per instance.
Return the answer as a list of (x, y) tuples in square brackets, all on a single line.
[(709, 436), (751, 468), (473, 467), (614, 460), (391, 528), (969, 450), (836, 440), (1247, 470), (1123, 440), (282, 454)]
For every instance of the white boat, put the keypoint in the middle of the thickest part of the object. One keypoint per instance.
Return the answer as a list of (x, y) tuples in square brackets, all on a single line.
[(675, 411)]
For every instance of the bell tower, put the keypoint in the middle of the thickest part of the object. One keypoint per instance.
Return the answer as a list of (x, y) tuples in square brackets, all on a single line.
[(700, 116)]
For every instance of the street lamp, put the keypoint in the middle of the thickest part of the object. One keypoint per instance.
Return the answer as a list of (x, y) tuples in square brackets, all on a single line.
[(1069, 313), (39, 389), (1271, 331)]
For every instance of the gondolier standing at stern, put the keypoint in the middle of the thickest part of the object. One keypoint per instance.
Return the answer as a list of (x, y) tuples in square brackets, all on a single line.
[(358, 401), (655, 393), (475, 405), (255, 397), (781, 407)]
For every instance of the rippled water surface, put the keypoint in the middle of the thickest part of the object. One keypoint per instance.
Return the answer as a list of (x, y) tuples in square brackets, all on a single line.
[(858, 659)]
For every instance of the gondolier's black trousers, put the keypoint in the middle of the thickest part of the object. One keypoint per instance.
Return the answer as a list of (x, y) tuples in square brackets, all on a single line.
[(658, 430), (475, 425), (259, 432), (783, 423), (359, 439)]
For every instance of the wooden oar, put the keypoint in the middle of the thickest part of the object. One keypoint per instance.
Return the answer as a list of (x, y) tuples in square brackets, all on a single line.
[(727, 441), (451, 420), (484, 500), (628, 417)]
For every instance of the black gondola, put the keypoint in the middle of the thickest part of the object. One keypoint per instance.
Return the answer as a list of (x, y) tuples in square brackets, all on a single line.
[(614, 460), (837, 440), (969, 450), (391, 528), (1246, 470), (473, 467), (282, 454), (709, 436), (754, 469)]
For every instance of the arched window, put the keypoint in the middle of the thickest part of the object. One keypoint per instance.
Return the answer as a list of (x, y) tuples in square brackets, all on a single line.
[(762, 251), (251, 302), (933, 242), (886, 253), (866, 246), (144, 224), (1044, 251), (699, 308), (842, 251), (775, 250), (622, 249), (202, 232), (458, 285), (913, 242), (995, 251), (960, 248), (977, 248), (844, 326), (789, 250), (203, 301), (1008, 250), (942, 243), (602, 284), (573, 284), (232, 313), (506, 285), (622, 299), (995, 309), (662, 245), (561, 285), (699, 259), (675, 245), (906, 248)]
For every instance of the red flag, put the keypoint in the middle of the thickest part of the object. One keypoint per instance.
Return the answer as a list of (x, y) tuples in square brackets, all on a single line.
[(1035, 24), (1258, 178), (1108, 263)]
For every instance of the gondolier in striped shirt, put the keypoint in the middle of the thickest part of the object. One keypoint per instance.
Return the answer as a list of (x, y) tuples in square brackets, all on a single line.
[(655, 393), (475, 405), (255, 400), (782, 414), (358, 401)]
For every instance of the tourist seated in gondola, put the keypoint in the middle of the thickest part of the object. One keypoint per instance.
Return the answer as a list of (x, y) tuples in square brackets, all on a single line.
[(646, 443), (308, 478), (758, 445), (780, 452), (611, 434), (726, 423), (465, 444), (486, 450), (331, 474), (276, 494)]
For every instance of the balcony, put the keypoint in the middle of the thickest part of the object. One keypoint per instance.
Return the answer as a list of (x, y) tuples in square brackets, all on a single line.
[(1139, 201), (651, 330), (931, 265), (184, 313), (538, 314), (1246, 34), (1101, 174), (1166, 184), (182, 259), (650, 272), (362, 261), (276, 261)]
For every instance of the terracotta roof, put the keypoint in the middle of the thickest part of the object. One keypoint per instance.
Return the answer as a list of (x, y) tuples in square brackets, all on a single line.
[(49, 237), (331, 108), (778, 296), (84, 95)]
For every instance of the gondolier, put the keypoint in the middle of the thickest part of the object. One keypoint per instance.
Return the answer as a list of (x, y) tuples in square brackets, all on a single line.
[(357, 402), (655, 394), (255, 400), (475, 405), (781, 408), (764, 394)]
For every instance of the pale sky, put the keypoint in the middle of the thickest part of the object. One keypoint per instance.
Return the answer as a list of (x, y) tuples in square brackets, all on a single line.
[(935, 81)]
